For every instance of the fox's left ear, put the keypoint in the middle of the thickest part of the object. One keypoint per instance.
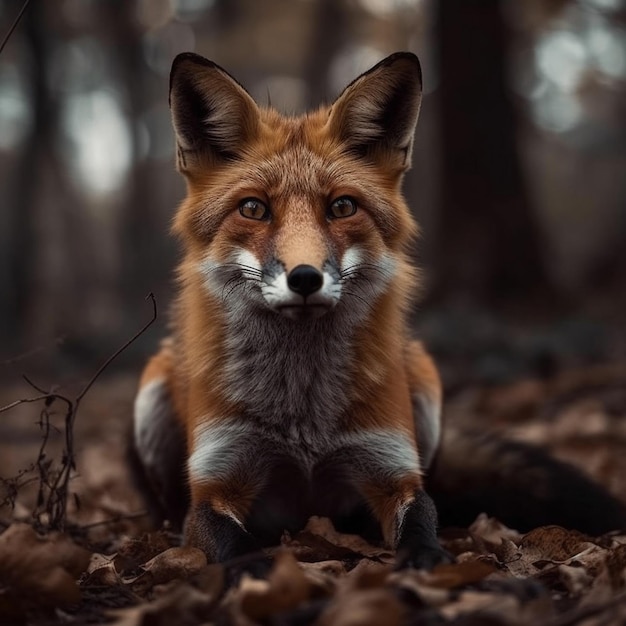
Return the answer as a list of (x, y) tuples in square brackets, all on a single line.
[(377, 113)]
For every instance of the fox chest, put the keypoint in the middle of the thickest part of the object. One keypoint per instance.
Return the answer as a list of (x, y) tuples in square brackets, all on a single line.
[(291, 382)]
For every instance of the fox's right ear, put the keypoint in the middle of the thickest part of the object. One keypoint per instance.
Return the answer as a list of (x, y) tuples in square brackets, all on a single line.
[(212, 114)]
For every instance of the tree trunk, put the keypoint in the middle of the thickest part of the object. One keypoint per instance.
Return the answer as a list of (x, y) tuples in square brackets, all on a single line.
[(488, 249), (19, 252), (328, 36), (144, 259)]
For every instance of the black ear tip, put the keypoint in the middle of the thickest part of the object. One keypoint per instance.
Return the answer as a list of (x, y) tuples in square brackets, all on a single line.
[(190, 58), (187, 60), (409, 59), (409, 56), (406, 62)]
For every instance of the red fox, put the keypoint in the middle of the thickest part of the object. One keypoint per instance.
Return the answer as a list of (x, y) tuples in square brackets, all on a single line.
[(291, 385)]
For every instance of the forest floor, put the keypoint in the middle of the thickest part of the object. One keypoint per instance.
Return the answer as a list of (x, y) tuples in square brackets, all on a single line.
[(109, 566)]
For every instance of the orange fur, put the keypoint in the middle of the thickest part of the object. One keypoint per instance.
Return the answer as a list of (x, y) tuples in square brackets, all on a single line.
[(296, 167)]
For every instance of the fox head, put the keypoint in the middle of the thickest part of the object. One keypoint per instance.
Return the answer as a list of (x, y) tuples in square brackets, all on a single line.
[(296, 215)]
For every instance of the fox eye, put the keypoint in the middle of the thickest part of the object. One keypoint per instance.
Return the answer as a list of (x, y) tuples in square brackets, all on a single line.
[(342, 207), (254, 209)]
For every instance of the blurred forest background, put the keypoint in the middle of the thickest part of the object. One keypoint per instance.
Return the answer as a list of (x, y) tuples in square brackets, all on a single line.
[(519, 178)]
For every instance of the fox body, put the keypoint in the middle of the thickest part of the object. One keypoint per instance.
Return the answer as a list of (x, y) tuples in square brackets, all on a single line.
[(291, 385)]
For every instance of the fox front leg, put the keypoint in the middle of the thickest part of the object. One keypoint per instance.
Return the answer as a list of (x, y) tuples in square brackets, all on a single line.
[(225, 477), (384, 468), (221, 536), (417, 545)]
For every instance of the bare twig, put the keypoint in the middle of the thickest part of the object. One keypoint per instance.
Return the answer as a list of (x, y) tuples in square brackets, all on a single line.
[(14, 25), (134, 338), (54, 484), (48, 397)]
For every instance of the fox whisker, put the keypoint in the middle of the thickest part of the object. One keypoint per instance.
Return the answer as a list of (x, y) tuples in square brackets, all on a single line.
[(351, 294), (250, 272), (234, 283)]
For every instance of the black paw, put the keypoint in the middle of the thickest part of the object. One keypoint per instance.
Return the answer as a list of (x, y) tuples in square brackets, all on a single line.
[(422, 557)]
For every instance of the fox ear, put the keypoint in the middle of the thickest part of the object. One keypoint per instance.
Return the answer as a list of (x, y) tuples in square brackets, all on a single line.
[(212, 114), (376, 114)]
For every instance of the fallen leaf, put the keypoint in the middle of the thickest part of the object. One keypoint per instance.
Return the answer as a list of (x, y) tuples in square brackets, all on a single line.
[(574, 579), (133, 552), (323, 527), (285, 588), (38, 571), (454, 575), (490, 530), (173, 564), (553, 543), (101, 572), (323, 576)]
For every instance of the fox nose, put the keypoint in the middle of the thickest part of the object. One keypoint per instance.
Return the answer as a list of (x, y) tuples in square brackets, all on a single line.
[(305, 280)]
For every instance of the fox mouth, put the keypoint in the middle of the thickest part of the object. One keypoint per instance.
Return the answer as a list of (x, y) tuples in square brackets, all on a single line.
[(304, 311)]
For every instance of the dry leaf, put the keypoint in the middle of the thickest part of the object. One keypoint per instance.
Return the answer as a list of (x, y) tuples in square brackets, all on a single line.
[(38, 571), (133, 552), (553, 543), (285, 588), (490, 530), (507, 551), (323, 527), (174, 564), (101, 572), (454, 575), (323, 576), (575, 579)]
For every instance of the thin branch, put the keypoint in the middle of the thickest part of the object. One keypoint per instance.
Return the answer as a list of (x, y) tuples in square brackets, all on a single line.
[(134, 338), (41, 398), (33, 385), (56, 483), (14, 26)]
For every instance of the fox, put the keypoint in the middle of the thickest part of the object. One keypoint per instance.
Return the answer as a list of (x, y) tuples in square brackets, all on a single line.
[(291, 384)]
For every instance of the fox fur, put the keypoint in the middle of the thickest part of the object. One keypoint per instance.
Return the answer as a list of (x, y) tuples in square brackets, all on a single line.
[(291, 385)]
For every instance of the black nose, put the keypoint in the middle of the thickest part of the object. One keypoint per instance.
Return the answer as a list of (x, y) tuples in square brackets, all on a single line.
[(305, 280)]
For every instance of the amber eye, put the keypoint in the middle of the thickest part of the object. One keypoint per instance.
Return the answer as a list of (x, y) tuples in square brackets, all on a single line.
[(254, 209), (342, 207)]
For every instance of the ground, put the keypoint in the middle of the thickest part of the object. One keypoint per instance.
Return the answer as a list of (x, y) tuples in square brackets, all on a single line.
[(110, 566)]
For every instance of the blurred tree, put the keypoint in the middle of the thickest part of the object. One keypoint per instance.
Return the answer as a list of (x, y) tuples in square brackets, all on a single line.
[(328, 37), (489, 247), (144, 262), (48, 228), (18, 254)]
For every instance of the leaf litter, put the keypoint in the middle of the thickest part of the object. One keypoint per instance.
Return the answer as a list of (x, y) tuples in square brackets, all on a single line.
[(115, 572)]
